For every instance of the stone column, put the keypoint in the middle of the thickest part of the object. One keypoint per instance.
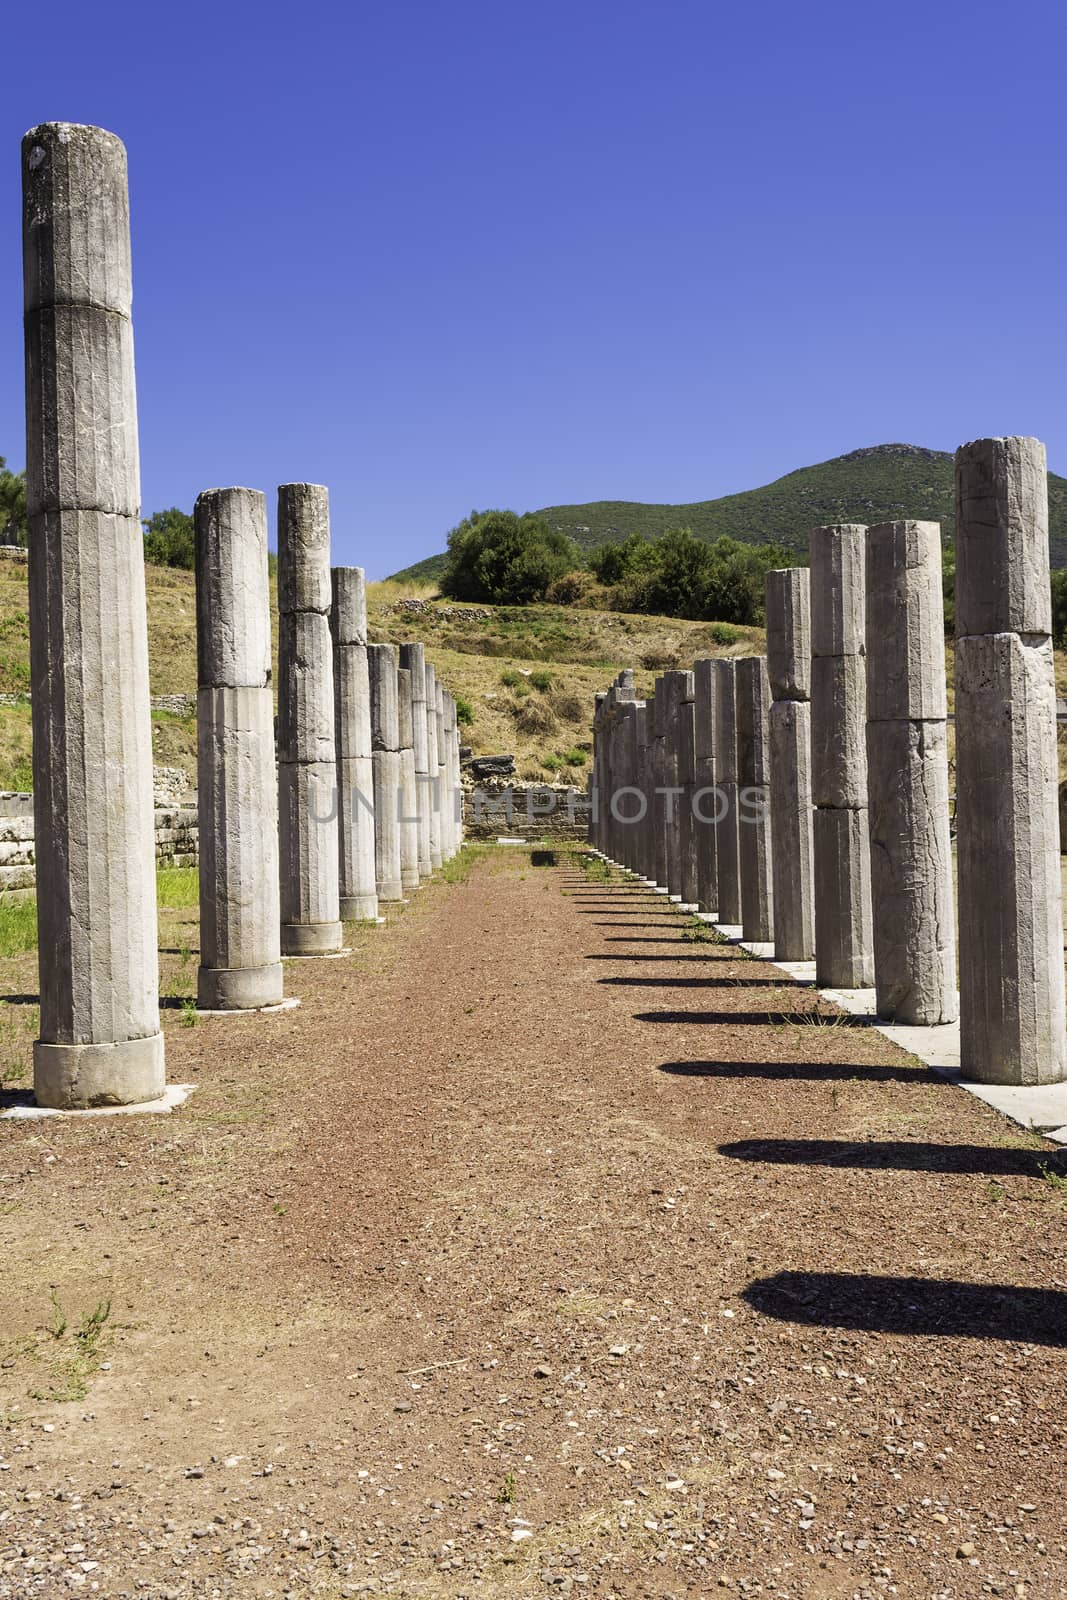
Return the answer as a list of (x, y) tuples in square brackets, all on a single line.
[(705, 804), (355, 783), (385, 769), (307, 755), (433, 787), (685, 776), (100, 1042), (237, 781), (451, 772), (413, 658), (727, 831), (792, 823), (599, 801), (907, 776), (409, 820), (1007, 821), (443, 818), (843, 937), (753, 785)]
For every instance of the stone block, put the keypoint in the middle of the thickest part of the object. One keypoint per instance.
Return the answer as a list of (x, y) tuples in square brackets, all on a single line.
[(844, 947), (838, 731), (792, 843), (304, 582), (1002, 558), (306, 709), (233, 644), (838, 589), (905, 623), (788, 592)]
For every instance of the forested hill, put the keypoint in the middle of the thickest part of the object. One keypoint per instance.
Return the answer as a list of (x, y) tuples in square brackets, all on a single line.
[(878, 484)]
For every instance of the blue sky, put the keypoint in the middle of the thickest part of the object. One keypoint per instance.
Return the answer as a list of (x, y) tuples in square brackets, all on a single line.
[(470, 254)]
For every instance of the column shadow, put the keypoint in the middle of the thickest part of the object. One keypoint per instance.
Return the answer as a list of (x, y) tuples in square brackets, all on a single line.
[(802, 1071), (917, 1306), (991, 1161), (627, 982), (812, 1019)]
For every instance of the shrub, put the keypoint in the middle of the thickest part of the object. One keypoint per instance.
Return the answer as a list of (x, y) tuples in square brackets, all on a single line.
[(723, 633), (534, 716), (464, 712), (552, 763), (540, 680), (510, 678), (504, 559), (573, 589), (575, 757), (570, 707)]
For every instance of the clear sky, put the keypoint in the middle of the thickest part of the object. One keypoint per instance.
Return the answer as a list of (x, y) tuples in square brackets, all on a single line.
[(475, 253)]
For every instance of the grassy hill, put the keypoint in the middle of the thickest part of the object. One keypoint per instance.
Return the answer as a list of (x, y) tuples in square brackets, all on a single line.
[(529, 673), (879, 484)]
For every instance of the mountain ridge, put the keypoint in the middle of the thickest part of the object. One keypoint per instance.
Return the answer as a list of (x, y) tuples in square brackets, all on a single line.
[(875, 483)]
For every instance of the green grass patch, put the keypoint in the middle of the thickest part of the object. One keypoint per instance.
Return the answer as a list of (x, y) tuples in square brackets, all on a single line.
[(18, 926), (177, 887)]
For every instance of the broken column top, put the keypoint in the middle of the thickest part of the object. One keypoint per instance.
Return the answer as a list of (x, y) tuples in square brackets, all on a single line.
[(76, 218), (905, 623), (1002, 559), (304, 547), (348, 616), (789, 632), (405, 715), (232, 589), (413, 656), (838, 600)]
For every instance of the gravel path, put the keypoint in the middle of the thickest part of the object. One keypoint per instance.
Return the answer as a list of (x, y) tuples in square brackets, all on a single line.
[(549, 1248)]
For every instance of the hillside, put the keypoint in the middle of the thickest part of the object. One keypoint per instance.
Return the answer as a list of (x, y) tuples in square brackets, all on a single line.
[(879, 484), (529, 674)]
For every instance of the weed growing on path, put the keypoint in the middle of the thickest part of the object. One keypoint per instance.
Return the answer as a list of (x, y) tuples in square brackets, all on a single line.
[(18, 926)]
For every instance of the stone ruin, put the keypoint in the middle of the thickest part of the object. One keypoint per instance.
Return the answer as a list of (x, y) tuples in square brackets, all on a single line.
[(354, 800), (814, 790)]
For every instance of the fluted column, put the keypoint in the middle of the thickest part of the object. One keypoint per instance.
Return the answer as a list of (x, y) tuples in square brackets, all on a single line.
[(413, 658), (385, 767), (792, 820), (100, 1042), (355, 783), (409, 818), (727, 831), (706, 804), (753, 785), (237, 781), (307, 754), (1007, 818), (433, 787)]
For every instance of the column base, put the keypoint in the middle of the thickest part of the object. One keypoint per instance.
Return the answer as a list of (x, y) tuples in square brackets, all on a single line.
[(359, 908), (311, 938), (393, 890), (76, 1077), (239, 988)]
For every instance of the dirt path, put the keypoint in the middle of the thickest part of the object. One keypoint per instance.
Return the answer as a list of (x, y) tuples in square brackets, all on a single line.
[(546, 1249)]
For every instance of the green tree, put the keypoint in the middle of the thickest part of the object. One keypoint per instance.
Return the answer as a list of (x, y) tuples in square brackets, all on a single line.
[(169, 540), (504, 559), (14, 528)]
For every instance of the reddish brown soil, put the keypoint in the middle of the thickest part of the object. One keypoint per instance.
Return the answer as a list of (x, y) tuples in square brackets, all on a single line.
[(537, 1217)]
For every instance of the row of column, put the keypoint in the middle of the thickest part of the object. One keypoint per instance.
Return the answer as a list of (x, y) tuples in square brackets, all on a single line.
[(352, 799), (804, 796)]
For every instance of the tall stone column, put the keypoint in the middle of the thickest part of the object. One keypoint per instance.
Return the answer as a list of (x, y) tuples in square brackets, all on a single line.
[(843, 937), (792, 821), (355, 782), (443, 813), (237, 781), (705, 805), (907, 776), (659, 777), (409, 819), (413, 658), (727, 831), (685, 776), (1007, 823), (100, 1042), (307, 754), (673, 691), (452, 794), (433, 787), (753, 784), (598, 800), (385, 769)]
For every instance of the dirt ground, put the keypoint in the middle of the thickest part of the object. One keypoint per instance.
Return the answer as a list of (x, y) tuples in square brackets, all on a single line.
[(549, 1248)]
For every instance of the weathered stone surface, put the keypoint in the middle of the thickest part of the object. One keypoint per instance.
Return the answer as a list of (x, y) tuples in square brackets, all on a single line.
[(355, 786), (838, 584), (753, 780), (792, 839), (413, 657), (237, 786), (308, 800), (905, 623), (232, 597), (304, 548), (911, 873), (1002, 538), (705, 803), (384, 697), (727, 831), (444, 799), (1010, 900), (838, 731), (432, 788), (100, 1041), (788, 595), (843, 934), (409, 820), (686, 771), (307, 835)]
